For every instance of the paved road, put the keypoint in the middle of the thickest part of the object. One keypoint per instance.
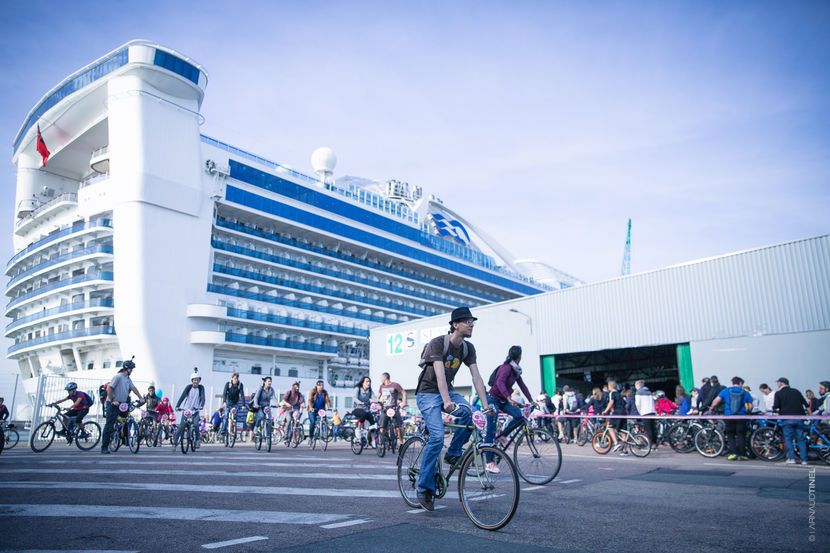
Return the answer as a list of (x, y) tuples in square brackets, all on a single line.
[(302, 500)]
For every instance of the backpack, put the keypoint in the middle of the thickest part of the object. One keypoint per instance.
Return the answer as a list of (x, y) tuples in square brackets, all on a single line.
[(736, 400), (492, 380), (423, 363), (86, 401), (102, 392)]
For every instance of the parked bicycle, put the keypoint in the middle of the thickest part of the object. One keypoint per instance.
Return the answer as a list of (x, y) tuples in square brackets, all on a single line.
[(85, 434), (637, 444), (489, 499)]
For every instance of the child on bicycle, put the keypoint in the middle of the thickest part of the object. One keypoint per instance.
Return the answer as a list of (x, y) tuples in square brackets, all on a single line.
[(508, 373), (81, 402)]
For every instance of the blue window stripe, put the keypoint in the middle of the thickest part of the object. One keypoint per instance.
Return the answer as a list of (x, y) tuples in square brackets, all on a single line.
[(273, 207), (106, 66), (250, 175), (177, 65)]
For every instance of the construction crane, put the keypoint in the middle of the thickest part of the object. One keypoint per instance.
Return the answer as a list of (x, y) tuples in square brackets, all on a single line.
[(626, 262)]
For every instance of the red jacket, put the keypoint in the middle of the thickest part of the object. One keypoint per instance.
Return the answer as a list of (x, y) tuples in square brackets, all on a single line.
[(664, 406)]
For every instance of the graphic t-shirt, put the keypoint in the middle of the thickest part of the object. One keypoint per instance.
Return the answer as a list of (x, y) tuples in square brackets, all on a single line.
[(389, 394), (452, 362)]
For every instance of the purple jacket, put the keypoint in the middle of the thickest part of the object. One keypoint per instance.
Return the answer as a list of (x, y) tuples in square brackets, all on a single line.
[(503, 386)]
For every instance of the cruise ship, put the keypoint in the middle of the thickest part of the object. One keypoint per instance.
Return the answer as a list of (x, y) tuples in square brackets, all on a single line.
[(137, 235)]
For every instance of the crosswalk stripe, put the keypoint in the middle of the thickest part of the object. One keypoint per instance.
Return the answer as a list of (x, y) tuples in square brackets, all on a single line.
[(344, 524), (570, 481), (203, 488), (168, 513), (202, 472), (420, 510), (228, 543), (259, 463)]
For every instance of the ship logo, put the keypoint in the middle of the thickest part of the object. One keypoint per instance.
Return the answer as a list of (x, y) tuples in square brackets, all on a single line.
[(450, 227)]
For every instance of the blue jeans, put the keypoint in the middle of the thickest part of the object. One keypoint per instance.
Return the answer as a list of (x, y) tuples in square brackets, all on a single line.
[(430, 406), (794, 431), (312, 420), (227, 415), (260, 416), (492, 420)]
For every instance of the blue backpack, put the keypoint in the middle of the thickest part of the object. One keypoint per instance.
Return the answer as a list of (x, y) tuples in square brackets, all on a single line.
[(736, 400)]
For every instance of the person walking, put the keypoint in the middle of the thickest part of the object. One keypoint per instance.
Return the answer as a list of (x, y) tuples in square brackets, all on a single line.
[(789, 401)]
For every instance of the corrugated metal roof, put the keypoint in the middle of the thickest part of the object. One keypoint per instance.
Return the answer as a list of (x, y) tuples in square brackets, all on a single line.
[(772, 290)]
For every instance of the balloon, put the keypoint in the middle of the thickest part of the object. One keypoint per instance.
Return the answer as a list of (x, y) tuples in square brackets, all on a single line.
[(159, 394)]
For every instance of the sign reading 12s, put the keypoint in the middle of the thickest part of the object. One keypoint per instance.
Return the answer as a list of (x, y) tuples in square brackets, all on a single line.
[(397, 343)]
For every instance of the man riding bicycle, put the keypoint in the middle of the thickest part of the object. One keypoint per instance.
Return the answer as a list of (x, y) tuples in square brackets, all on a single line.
[(509, 373), (118, 392), (440, 361), (318, 399), (291, 405), (233, 397), (192, 399), (391, 395), (81, 402)]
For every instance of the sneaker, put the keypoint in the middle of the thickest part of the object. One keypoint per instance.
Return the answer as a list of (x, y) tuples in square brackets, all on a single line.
[(617, 447), (743, 458), (624, 454), (731, 457), (426, 500), (492, 468), (790, 461), (105, 451), (451, 459), (804, 462)]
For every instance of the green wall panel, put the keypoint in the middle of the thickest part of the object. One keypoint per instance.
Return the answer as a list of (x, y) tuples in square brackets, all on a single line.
[(549, 374), (684, 366)]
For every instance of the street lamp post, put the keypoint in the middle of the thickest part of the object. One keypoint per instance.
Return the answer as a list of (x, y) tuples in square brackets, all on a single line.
[(529, 318)]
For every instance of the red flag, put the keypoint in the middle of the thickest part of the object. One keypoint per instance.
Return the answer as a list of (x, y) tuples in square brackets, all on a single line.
[(41, 147)]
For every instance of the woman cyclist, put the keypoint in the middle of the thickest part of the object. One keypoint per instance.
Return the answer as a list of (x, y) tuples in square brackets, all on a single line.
[(509, 373), (363, 398)]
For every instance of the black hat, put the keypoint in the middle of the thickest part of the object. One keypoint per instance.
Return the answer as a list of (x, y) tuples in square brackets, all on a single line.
[(461, 313)]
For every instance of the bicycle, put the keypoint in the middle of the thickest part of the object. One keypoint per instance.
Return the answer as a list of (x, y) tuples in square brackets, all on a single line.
[(188, 433), (709, 440), (767, 442), (263, 433), (147, 428), (10, 435), (489, 499), (362, 437), (231, 432), (388, 435), (322, 432), (125, 430), (294, 434), (536, 453), (86, 435), (638, 444), (586, 430)]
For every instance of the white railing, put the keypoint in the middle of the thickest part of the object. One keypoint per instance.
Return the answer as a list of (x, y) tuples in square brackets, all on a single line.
[(92, 179), (65, 197)]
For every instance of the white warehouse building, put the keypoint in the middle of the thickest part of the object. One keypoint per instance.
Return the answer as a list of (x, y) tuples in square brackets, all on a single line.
[(759, 314)]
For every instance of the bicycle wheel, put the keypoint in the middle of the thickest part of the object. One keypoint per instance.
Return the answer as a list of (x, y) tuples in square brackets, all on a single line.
[(258, 438), (268, 436), (42, 436), (325, 436), (357, 445), (133, 437), (639, 445), (145, 430), (489, 499), (117, 437), (312, 443), (768, 444), (601, 442), (298, 435), (184, 440), (88, 435), (582, 435), (709, 442), (537, 456), (409, 463), (12, 437), (681, 438), (380, 446)]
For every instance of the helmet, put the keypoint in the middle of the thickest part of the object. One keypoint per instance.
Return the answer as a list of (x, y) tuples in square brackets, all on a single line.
[(129, 364), (195, 374), (165, 398), (659, 393), (71, 387)]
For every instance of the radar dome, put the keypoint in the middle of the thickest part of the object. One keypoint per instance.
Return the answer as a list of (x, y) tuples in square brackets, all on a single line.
[(323, 160)]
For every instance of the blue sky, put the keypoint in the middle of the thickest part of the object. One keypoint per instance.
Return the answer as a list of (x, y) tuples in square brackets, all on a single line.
[(548, 124)]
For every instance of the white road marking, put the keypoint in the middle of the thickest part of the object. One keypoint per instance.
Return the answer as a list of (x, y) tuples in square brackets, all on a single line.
[(483, 497), (165, 472), (531, 488), (168, 513), (204, 488), (344, 524), (259, 463), (570, 481), (218, 544), (419, 510)]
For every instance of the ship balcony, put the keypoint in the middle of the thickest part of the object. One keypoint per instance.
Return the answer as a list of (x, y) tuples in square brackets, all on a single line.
[(57, 236), (99, 305), (100, 160), (89, 336), (314, 348), (63, 202), (92, 179), (92, 252), (93, 279)]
